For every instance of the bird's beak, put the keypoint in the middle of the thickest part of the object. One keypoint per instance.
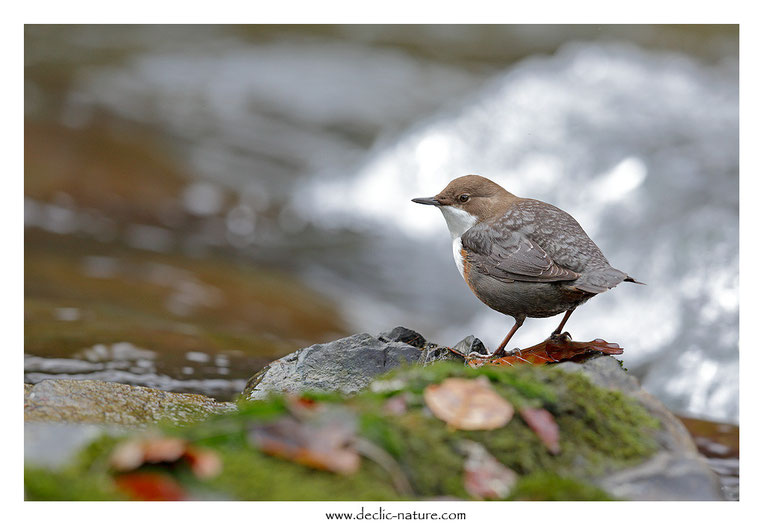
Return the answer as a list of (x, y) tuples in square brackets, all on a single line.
[(426, 201)]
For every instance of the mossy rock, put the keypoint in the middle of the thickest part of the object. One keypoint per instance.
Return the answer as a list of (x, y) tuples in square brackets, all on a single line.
[(600, 431), (96, 402)]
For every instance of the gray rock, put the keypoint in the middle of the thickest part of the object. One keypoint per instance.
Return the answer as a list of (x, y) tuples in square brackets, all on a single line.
[(604, 371), (470, 344), (666, 476), (435, 353), (678, 471), (404, 335), (61, 416), (96, 402), (53, 444), (346, 365)]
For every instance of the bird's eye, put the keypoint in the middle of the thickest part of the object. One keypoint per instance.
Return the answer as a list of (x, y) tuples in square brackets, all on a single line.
[(464, 198)]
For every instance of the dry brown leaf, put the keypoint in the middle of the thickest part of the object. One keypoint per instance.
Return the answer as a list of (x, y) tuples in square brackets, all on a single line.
[(163, 449), (325, 443), (484, 476), (543, 424), (132, 454), (551, 350), (153, 450), (468, 404)]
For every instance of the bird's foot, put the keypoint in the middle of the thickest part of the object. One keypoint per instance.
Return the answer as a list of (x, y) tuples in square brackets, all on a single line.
[(557, 348), (498, 353), (560, 337)]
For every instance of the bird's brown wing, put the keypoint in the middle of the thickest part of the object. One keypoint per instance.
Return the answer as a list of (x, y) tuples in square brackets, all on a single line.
[(508, 255)]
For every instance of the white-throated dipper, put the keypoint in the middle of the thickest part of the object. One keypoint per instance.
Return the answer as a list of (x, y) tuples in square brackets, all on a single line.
[(521, 257)]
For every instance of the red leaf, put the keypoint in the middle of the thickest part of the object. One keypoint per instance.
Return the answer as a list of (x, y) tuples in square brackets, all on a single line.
[(484, 476), (322, 443), (550, 351), (543, 424), (151, 450), (133, 454), (150, 486)]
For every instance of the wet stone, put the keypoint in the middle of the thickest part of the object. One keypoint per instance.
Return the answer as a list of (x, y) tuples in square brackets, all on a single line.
[(346, 365), (96, 402)]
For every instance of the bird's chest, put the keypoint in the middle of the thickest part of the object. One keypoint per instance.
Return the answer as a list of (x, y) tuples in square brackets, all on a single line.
[(459, 258), (464, 265)]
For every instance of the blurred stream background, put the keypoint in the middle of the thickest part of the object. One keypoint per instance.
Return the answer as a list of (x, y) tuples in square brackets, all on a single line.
[(200, 200)]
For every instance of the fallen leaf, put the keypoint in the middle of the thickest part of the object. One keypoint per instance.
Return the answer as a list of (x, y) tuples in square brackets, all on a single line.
[(163, 449), (127, 456), (205, 464), (133, 454), (543, 424), (468, 404), (153, 450), (324, 442), (150, 486), (484, 476), (549, 351)]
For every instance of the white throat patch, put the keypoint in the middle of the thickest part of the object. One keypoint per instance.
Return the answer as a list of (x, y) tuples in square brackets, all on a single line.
[(458, 222)]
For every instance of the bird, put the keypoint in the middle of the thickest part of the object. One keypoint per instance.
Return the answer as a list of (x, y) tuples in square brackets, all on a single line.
[(522, 257)]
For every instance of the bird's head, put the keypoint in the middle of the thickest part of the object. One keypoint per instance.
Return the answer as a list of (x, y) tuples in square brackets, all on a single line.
[(467, 200)]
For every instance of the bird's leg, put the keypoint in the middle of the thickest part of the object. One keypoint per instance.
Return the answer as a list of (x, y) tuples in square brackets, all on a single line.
[(500, 351), (558, 330)]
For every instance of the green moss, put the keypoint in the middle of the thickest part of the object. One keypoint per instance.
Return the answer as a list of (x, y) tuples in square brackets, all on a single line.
[(550, 486), (86, 477), (93, 401), (250, 475), (68, 484), (600, 431), (183, 414), (426, 453)]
